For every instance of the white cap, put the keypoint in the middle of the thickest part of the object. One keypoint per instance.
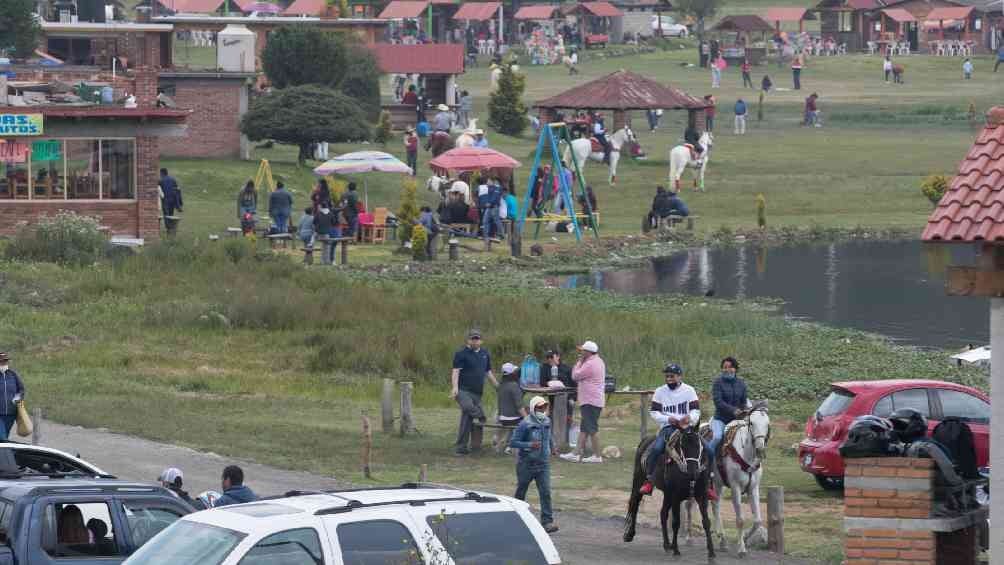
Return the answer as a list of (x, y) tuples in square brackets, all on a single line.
[(535, 401), (170, 474), (590, 346), (508, 369)]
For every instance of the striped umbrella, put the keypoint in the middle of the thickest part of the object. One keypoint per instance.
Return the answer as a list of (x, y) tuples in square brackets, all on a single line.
[(363, 162)]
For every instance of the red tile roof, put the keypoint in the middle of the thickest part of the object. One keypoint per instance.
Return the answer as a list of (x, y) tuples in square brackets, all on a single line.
[(743, 23), (972, 208), (949, 13), (202, 6), (477, 11), (785, 14), (101, 112), (425, 59), (623, 90), (899, 14), (542, 12), (402, 9), (602, 9), (305, 8), (864, 4)]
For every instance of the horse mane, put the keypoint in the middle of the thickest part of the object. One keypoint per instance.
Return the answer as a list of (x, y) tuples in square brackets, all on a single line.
[(760, 406)]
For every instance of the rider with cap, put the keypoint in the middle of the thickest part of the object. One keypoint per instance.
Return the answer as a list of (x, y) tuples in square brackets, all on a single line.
[(442, 121), (600, 133), (675, 406)]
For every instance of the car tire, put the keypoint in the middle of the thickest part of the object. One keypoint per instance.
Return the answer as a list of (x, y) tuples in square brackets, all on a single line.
[(830, 483)]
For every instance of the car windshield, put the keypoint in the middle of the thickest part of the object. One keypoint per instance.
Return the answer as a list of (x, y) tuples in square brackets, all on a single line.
[(187, 543), (835, 404)]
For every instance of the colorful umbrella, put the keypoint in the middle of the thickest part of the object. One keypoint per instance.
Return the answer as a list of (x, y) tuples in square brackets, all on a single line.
[(467, 159), (363, 162), (266, 7)]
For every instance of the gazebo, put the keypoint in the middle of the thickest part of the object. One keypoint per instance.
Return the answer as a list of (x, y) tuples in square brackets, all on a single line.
[(744, 27), (778, 14), (620, 92)]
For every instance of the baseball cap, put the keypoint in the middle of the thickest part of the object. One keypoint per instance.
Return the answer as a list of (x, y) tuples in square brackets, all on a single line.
[(673, 368), (590, 346), (551, 353), (170, 474), (508, 369), (474, 334), (4, 356)]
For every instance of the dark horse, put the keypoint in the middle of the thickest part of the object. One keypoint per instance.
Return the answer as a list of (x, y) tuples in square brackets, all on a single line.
[(439, 142), (682, 474)]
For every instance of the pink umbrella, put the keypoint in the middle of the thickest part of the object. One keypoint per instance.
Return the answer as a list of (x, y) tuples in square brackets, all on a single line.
[(469, 159)]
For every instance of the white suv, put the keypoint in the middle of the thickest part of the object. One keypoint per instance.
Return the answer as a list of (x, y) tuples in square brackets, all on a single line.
[(410, 524)]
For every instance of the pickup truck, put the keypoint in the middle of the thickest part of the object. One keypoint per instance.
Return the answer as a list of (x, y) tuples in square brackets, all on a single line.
[(71, 519)]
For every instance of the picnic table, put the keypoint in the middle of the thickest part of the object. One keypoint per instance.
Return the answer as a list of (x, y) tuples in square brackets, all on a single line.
[(557, 397)]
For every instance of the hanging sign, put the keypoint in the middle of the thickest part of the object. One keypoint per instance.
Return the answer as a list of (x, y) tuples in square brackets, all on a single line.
[(20, 124), (13, 152), (48, 150)]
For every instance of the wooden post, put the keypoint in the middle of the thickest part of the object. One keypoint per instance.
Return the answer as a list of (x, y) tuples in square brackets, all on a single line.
[(775, 519), (423, 473), (454, 250), (406, 424), (345, 253), (325, 250), (560, 421), (387, 406), (367, 446), (643, 410), (36, 426)]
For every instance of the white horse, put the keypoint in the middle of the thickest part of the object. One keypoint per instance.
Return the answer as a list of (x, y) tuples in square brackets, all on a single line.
[(582, 148), (680, 158), (743, 469), (466, 139)]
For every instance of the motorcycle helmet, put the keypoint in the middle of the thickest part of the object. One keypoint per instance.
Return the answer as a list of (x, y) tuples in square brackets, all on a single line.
[(908, 424), (868, 436)]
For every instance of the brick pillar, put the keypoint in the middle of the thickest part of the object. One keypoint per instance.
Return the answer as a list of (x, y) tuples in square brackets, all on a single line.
[(621, 118), (146, 86), (147, 197)]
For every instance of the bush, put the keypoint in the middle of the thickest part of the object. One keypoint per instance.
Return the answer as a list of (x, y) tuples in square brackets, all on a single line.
[(419, 242), (506, 110), (934, 187), (67, 238), (383, 133), (761, 211), (407, 214)]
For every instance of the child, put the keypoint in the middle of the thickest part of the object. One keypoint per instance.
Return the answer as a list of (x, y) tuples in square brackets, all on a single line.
[(709, 113), (533, 439), (887, 67), (510, 406), (306, 227), (967, 69), (411, 146)]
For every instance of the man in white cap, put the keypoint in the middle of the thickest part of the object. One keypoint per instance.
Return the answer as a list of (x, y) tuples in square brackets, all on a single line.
[(535, 444), (443, 121), (590, 373), (479, 138), (172, 479)]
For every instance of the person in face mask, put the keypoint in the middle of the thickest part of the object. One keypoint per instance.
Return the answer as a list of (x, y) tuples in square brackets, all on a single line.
[(533, 440), (675, 406), (11, 392), (729, 394)]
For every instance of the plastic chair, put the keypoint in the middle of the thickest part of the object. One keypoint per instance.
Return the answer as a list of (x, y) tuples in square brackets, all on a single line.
[(375, 230), (871, 47)]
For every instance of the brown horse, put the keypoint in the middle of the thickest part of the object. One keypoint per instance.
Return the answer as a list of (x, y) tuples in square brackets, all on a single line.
[(683, 473), (439, 142)]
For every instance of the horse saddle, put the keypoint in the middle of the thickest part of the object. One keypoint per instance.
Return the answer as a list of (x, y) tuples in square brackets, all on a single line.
[(597, 146), (694, 156)]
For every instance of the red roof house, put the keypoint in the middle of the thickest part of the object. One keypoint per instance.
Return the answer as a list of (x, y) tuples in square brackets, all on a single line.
[(424, 59)]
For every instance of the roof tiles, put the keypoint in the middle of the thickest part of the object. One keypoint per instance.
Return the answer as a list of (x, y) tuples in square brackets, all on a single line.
[(972, 209), (423, 59), (623, 90)]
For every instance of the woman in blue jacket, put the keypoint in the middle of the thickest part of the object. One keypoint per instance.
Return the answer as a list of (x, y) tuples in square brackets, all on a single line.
[(729, 394), (11, 392)]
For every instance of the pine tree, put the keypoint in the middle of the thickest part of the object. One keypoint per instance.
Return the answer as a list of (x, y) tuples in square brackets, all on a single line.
[(407, 214), (419, 242), (19, 31), (507, 112)]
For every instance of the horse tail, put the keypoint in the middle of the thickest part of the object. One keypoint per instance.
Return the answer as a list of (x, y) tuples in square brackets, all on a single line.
[(638, 478)]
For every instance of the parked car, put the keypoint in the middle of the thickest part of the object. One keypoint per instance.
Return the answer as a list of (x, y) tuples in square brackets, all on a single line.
[(819, 453), (74, 521), (413, 523), (669, 27), (20, 458)]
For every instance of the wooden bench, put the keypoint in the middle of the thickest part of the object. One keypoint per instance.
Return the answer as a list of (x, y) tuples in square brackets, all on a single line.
[(670, 222), (501, 436), (283, 238), (234, 232), (326, 241)]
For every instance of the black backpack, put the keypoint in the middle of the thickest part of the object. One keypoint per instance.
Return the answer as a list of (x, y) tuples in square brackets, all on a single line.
[(957, 438)]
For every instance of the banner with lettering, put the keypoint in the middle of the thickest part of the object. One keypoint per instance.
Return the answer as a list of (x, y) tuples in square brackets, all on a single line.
[(47, 150), (14, 152), (21, 124)]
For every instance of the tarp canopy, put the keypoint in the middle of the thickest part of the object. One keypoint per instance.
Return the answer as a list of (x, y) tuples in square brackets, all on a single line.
[(949, 13), (542, 12), (899, 14), (477, 11), (400, 9)]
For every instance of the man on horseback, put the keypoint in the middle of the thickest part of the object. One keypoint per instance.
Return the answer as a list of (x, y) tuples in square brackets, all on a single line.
[(600, 133), (729, 394), (675, 406), (692, 138)]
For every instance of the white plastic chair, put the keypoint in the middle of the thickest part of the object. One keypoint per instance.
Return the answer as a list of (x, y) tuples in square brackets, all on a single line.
[(871, 47)]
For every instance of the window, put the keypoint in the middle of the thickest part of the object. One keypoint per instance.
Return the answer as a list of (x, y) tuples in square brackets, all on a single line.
[(47, 463), (376, 542), (146, 521), (82, 529), (14, 169), (82, 169), (47, 174), (883, 408), (487, 538), (878, 25), (293, 547), (117, 168), (915, 398), (74, 169), (189, 543), (835, 404), (6, 515), (977, 24), (968, 408), (845, 21)]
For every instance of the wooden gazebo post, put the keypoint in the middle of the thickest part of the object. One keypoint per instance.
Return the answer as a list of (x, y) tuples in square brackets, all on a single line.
[(966, 214)]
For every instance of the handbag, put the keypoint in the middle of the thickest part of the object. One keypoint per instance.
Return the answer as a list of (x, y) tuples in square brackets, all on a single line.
[(24, 425)]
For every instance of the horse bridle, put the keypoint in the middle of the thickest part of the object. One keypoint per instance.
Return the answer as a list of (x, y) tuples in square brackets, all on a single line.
[(749, 424)]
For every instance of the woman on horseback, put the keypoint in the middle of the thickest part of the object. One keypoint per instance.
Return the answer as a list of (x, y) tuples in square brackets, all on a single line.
[(675, 406), (729, 394)]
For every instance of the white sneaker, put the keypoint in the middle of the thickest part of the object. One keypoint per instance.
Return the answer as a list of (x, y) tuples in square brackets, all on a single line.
[(571, 456), (593, 459)]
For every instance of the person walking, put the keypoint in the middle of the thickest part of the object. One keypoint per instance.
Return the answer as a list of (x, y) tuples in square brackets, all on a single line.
[(741, 111), (709, 113), (766, 84), (466, 108), (1000, 56), (810, 111), (653, 119), (887, 67), (471, 365), (535, 444), (745, 69), (675, 406), (797, 62), (491, 224), (234, 489), (247, 200), (350, 210), (411, 149), (716, 73), (12, 389), (730, 396), (171, 200), (967, 69), (590, 373), (280, 207)]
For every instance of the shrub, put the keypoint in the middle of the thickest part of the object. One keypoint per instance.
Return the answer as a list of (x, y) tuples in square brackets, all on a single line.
[(383, 132), (67, 238), (506, 110), (408, 212), (761, 211), (934, 187), (419, 242)]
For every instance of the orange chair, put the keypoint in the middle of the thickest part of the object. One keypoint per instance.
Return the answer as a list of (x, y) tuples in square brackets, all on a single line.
[(375, 231)]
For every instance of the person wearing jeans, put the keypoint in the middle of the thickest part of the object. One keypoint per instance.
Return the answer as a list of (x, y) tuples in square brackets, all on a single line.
[(741, 110), (730, 396), (796, 72), (12, 390), (1000, 56), (535, 444)]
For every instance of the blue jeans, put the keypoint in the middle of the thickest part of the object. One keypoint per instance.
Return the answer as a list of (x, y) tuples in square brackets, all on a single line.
[(717, 431), (527, 472), (490, 219), (335, 232), (8, 423), (353, 222), (281, 222), (658, 448)]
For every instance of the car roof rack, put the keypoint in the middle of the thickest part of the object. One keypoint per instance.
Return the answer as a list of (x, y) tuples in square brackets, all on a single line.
[(352, 504)]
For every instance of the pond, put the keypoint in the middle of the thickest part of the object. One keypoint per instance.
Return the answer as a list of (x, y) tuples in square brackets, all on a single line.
[(895, 288)]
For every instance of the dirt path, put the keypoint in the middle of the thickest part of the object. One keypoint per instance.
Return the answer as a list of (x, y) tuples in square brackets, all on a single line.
[(582, 539)]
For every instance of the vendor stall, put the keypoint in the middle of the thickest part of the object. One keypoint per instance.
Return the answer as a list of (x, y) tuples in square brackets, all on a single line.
[(432, 66), (743, 37), (595, 22)]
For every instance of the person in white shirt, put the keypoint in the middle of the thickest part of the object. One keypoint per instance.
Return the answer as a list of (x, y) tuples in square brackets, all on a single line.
[(675, 406)]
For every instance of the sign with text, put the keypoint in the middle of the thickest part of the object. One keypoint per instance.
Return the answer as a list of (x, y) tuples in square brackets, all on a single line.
[(48, 150), (20, 124), (13, 152)]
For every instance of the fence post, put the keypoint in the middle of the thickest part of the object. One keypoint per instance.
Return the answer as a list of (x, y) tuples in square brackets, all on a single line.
[(367, 446), (387, 406), (406, 424), (423, 473), (644, 409), (775, 519), (515, 240), (36, 426), (560, 420), (345, 253), (454, 249)]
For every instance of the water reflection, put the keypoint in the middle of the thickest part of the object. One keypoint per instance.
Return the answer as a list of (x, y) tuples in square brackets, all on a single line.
[(893, 288)]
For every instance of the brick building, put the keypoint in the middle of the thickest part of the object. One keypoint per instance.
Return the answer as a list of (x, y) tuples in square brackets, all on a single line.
[(217, 100)]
